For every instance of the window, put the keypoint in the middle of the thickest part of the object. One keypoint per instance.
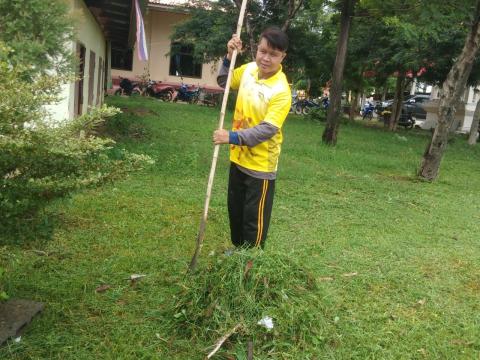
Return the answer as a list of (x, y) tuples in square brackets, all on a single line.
[(182, 62), (122, 59), (78, 94)]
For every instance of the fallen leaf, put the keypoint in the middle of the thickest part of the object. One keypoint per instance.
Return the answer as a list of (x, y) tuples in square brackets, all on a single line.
[(248, 266), (462, 342), (421, 302), (325, 278), (350, 274), (422, 351), (102, 288)]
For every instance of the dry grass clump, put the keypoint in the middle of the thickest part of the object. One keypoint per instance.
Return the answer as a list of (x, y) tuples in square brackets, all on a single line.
[(244, 288)]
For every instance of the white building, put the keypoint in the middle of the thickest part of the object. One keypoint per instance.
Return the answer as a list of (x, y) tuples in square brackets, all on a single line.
[(103, 25), (463, 116)]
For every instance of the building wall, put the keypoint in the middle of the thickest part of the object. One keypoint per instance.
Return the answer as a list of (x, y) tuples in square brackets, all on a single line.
[(89, 34), (158, 28), (463, 115)]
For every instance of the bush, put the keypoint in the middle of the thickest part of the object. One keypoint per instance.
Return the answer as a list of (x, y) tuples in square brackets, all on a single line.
[(40, 162), (3, 294), (317, 114)]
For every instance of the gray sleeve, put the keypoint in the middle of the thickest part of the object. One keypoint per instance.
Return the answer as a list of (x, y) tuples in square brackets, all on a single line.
[(257, 134), (222, 76)]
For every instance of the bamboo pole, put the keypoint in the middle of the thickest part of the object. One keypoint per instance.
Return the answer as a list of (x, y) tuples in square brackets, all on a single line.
[(203, 222)]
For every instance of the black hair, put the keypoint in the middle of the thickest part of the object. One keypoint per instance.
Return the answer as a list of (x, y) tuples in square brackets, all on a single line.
[(276, 38)]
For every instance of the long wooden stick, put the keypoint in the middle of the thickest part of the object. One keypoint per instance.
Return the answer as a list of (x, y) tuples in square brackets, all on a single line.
[(222, 340), (203, 223)]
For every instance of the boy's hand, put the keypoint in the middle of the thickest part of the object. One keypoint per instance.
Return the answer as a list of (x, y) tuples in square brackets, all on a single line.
[(233, 43), (220, 137)]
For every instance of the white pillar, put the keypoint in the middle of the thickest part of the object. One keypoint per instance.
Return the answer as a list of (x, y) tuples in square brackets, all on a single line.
[(413, 89)]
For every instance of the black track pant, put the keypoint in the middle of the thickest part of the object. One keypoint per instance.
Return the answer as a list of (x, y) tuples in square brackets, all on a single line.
[(250, 203)]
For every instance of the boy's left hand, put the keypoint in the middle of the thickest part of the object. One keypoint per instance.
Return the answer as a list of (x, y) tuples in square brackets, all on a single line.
[(221, 136)]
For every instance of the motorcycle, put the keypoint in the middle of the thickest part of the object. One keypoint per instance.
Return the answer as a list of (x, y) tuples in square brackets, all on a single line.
[(406, 119), (325, 102), (367, 112), (128, 87), (160, 91), (304, 106), (187, 94)]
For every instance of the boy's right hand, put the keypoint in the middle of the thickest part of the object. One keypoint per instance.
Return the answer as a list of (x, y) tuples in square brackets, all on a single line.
[(234, 43)]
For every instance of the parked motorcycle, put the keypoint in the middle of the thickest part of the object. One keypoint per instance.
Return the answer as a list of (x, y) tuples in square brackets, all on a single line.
[(406, 119), (189, 95), (209, 99), (367, 112), (128, 87), (304, 106), (325, 102), (160, 91)]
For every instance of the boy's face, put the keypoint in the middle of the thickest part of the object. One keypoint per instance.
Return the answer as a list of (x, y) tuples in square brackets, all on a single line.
[(268, 59)]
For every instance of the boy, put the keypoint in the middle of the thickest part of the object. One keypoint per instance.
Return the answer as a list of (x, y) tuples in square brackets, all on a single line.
[(263, 103)]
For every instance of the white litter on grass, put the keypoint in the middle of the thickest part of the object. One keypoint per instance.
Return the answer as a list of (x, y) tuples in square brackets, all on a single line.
[(267, 322), (18, 339), (134, 277)]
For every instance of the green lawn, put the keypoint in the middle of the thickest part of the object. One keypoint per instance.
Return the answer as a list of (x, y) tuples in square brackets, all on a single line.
[(356, 208)]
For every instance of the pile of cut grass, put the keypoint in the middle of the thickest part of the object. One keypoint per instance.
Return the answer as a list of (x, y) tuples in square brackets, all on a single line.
[(244, 288)]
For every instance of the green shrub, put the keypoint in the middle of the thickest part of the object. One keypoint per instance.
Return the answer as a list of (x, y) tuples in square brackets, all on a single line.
[(3, 294), (317, 114), (41, 161)]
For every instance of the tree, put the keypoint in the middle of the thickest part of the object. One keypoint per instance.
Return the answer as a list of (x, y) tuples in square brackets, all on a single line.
[(333, 115), (452, 90), (472, 138), (406, 39), (38, 162), (37, 32), (211, 25)]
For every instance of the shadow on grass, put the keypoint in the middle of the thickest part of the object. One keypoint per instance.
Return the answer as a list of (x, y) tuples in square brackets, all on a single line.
[(39, 228)]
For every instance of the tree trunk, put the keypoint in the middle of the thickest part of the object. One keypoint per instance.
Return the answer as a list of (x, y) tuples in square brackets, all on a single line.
[(384, 94), (472, 139), (293, 7), (397, 102), (452, 90), (333, 114), (353, 107), (251, 37), (250, 31)]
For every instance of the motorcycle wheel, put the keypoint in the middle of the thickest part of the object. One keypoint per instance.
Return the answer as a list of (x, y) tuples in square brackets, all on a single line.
[(306, 110), (118, 92), (136, 92), (368, 116), (298, 110), (166, 96)]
